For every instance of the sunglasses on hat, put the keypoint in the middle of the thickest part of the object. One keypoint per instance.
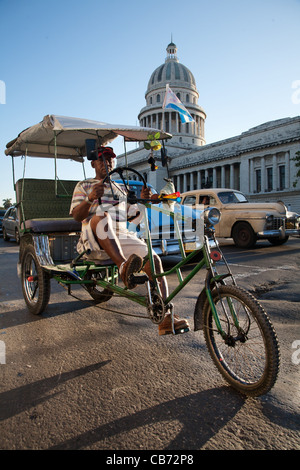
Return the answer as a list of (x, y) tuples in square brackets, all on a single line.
[(107, 152)]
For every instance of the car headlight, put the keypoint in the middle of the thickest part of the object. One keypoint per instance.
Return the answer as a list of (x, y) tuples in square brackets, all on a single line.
[(269, 221), (212, 216)]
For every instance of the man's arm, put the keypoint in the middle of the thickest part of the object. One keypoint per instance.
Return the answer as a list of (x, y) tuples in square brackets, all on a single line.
[(81, 211)]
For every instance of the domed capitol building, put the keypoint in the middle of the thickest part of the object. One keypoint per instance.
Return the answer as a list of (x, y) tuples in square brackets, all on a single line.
[(259, 162)]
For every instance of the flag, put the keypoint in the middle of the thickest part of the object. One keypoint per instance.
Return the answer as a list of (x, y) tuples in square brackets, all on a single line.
[(172, 102)]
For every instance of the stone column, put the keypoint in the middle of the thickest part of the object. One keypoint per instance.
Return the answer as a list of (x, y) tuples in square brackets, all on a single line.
[(263, 174), (223, 176), (251, 176), (231, 176), (184, 183), (191, 181), (198, 179), (214, 177)]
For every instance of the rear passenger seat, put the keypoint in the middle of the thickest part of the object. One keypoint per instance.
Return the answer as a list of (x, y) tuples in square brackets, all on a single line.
[(40, 210)]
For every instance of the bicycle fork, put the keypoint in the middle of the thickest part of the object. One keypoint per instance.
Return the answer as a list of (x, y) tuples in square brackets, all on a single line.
[(212, 281)]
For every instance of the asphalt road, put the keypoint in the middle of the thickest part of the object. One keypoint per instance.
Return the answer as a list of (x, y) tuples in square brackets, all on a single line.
[(82, 377)]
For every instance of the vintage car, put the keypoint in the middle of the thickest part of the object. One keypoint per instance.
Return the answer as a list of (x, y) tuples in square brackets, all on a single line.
[(2, 212), (293, 222), (244, 221), (163, 236), (10, 225)]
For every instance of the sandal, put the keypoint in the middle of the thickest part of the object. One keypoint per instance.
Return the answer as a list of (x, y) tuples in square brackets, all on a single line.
[(166, 327), (129, 267)]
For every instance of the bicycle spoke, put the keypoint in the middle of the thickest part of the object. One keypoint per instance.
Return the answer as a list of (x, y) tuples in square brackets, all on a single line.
[(246, 351)]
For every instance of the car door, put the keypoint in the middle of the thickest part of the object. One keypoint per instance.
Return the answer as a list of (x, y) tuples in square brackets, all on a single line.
[(10, 222)]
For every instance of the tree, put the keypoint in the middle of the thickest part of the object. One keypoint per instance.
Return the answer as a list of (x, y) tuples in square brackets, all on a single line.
[(6, 203), (297, 165)]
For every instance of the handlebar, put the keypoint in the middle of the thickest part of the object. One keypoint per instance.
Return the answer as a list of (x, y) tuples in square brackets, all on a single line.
[(131, 196)]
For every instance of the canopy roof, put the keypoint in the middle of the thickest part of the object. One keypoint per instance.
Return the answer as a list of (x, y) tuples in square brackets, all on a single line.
[(64, 137)]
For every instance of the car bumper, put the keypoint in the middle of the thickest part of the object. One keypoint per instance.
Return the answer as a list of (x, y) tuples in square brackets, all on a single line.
[(280, 233), (171, 247)]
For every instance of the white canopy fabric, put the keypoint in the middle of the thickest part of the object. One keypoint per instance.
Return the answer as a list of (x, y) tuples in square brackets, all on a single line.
[(64, 137)]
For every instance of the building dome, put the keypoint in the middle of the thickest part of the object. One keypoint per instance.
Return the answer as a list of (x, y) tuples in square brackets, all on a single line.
[(172, 72), (182, 82)]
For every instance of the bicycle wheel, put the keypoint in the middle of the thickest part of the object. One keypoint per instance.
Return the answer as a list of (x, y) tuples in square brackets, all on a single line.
[(99, 294), (248, 355), (35, 282)]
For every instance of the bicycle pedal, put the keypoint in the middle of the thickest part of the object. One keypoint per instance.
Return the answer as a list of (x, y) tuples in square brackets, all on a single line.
[(139, 278), (181, 331)]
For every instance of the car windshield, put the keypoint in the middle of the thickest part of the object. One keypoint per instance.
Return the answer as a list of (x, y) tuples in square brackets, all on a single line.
[(137, 188), (228, 197)]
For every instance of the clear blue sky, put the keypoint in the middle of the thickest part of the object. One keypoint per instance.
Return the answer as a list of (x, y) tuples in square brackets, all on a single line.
[(93, 59)]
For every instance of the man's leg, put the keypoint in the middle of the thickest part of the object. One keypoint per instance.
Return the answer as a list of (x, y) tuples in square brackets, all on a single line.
[(158, 268), (105, 234), (103, 230), (166, 326)]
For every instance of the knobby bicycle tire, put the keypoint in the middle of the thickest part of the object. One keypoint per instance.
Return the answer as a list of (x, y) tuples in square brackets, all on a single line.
[(99, 294), (36, 292), (249, 361)]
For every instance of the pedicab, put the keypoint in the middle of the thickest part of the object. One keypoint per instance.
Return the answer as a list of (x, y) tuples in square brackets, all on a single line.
[(238, 332)]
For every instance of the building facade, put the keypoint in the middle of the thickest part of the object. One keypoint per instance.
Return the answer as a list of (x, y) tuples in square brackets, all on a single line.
[(259, 162)]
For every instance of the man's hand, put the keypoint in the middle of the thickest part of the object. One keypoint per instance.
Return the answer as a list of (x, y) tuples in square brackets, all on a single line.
[(81, 211), (146, 193), (97, 191)]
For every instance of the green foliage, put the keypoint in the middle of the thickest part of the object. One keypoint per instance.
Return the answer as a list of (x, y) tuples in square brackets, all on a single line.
[(6, 203), (154, 144)]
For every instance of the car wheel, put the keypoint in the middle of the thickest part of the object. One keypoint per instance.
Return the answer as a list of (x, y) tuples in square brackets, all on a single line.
[(17, 236), (5, 236), (243, 235), (278, 241)]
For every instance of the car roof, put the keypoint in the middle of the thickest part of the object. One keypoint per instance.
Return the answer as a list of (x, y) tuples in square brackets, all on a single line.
[(206, 190)]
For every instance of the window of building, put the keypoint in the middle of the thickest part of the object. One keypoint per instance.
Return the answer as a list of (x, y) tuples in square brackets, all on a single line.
[(270, 179), (282, 177), (258, 180), (158, 99)]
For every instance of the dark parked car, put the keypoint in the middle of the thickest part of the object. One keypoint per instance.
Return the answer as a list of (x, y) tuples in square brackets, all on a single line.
[(2, 212), (10, 225)]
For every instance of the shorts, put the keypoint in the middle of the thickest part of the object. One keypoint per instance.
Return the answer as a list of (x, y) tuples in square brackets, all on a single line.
[(129, 242)]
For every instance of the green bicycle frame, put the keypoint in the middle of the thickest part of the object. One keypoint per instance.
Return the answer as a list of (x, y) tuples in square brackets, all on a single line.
[(111, 272)]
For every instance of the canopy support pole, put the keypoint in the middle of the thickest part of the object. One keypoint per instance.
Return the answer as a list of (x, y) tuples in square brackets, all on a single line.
[(13, 172), (83, 168), (22, 221), (55, 162), (126, 161)]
